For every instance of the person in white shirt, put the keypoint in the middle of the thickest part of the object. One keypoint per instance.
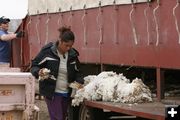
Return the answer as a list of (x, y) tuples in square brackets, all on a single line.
[(57, 66)]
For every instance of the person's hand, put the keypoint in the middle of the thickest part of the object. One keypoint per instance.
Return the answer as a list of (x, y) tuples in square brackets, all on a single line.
[(20, 34), (43, 73), (76, 85)]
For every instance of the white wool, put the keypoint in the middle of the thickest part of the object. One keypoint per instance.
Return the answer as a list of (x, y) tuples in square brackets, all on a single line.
[(106, 89), (79, 97), (45, 75), (109, 86), (89, 79), (106, 74)]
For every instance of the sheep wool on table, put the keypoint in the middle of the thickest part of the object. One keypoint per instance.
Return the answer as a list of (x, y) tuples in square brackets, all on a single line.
[(111, 87)]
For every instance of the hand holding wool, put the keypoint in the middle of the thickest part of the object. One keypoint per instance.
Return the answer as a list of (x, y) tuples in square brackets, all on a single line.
[(44, 73)]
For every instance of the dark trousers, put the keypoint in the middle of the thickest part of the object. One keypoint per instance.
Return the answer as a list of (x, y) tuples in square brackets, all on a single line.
[(57, 107)]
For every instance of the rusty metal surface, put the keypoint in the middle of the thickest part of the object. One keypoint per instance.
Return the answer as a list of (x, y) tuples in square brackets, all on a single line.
[(11, 115), (17, 95), (6, 68), (154, 110), (16, 87)]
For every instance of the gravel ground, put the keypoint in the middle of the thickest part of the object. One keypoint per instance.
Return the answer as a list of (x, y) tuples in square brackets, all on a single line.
[(43, 114)]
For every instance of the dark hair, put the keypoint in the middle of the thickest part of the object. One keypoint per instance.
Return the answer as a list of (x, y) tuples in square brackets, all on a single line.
[(66, 34), (4, 20)]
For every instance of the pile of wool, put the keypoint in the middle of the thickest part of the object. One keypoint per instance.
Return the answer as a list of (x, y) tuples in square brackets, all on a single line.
[(109, 86)]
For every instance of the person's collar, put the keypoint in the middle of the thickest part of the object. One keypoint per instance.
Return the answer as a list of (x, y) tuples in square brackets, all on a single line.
[(55, 47)]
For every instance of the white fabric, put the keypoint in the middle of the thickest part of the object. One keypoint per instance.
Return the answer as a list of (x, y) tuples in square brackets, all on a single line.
[(62, 83), (54, 5), (45, 59)]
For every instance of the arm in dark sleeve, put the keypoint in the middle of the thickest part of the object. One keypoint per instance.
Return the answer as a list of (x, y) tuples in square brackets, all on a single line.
[(39, 61), (36, 66), (35, 69)]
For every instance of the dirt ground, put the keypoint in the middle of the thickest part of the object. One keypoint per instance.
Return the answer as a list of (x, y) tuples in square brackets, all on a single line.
[(43, 114)]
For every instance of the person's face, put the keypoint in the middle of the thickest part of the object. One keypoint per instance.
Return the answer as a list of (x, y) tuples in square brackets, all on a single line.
[(65, 46), (5, 26)]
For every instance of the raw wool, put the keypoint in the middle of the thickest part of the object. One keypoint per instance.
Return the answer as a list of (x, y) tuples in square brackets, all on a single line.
[(134, 92), (109, 86), (45, 72), (89, 79)]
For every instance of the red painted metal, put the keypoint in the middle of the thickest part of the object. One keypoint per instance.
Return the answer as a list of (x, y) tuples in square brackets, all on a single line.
[(105, 35), (155, 110)]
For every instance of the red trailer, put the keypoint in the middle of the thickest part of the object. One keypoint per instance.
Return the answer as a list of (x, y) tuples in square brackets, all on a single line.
[(119, 35)]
